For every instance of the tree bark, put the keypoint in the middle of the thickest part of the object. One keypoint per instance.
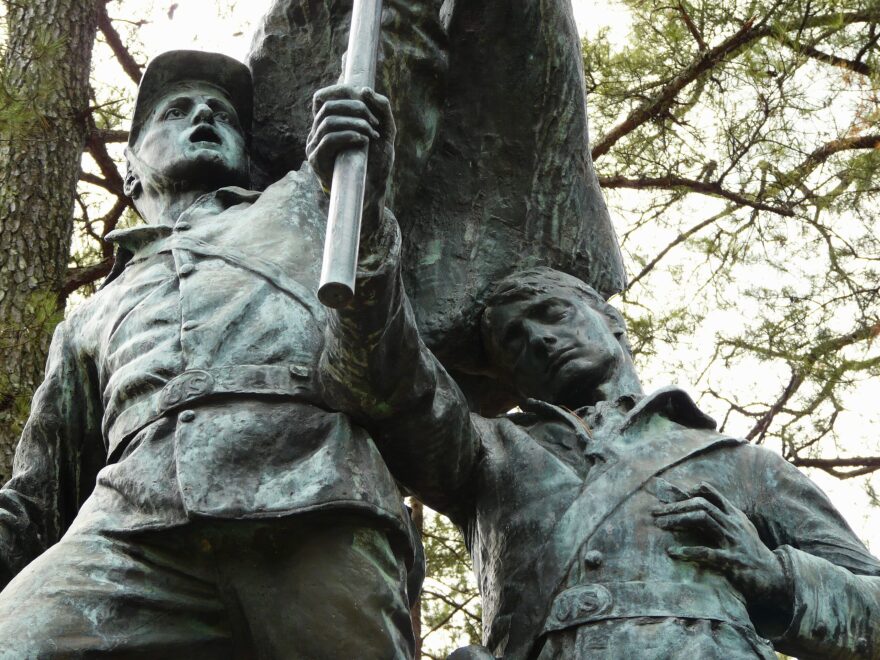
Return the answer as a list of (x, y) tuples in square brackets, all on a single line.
[(418, 517), (44, 105)]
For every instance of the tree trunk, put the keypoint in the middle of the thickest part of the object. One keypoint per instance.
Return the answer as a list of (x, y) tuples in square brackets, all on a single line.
[(418, 517), (44, 103)]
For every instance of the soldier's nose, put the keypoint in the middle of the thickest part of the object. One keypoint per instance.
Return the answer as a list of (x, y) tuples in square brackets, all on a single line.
[(542, 341), (203, 114)]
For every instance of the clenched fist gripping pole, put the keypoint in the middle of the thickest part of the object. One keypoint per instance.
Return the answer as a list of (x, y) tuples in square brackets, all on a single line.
[(350, 173)]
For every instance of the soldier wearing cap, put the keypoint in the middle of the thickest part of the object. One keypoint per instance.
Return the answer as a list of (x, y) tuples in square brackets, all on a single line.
[(181, 488), (605, 524)]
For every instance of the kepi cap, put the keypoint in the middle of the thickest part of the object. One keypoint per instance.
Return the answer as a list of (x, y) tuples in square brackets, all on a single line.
[(177, 66)]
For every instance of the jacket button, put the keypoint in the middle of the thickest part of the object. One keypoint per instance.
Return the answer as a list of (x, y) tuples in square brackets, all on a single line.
[(187, 416), (186, 269), (593, 559), (298, 371)]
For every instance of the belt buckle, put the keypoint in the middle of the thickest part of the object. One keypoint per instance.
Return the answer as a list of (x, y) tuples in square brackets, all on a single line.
[(582, 602), (185, 387)]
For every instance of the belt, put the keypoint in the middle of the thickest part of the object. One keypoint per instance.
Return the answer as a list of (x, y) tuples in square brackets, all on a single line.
[(626, 600), (291, 381)]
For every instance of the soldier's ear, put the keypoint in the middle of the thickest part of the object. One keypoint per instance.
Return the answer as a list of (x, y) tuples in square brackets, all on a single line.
[(132, 185)]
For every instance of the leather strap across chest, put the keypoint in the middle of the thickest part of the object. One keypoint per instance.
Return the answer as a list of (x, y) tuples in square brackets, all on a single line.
[(601, 495)]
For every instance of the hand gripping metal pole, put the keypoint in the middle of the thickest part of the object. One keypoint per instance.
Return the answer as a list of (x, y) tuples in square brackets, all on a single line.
[(350, 172)]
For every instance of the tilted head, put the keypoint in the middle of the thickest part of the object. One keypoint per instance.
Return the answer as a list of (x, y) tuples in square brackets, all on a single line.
[(191, 123), (556, 339)]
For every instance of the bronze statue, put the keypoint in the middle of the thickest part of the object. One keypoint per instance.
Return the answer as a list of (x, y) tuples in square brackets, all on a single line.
[(233, 514), (604, 523)]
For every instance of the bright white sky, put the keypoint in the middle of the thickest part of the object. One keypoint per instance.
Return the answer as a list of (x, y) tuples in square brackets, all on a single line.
[(210, 25)]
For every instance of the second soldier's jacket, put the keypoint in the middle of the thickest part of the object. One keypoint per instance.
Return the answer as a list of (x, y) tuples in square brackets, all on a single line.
[(556, 511)]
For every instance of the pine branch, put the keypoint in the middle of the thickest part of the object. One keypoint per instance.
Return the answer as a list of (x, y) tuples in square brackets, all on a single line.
[(798, 376), (108, 136), (79, 277), (827, 58), (95, 180), (861, 465), (681, 238), (123, 56), (823, 153), (713, 189), (749, 33), (98, 149)]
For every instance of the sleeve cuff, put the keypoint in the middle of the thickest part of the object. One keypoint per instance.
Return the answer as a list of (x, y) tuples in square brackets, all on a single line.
[(833, 610), (380, 248)]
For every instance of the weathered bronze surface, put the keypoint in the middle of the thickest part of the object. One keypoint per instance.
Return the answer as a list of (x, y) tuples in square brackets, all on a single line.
[(604, 523), (211, 466), (493, 171), (199, 497)]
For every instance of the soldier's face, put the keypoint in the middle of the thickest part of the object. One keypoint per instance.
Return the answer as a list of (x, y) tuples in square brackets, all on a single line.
[(194, 135), (555, 347)]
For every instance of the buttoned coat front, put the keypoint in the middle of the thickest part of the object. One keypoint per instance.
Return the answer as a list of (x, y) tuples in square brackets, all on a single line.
[(185, 387)]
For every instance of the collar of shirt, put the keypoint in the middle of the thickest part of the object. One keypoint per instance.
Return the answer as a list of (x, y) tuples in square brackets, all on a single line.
[(136, 238), (597, 425), (129, 241)]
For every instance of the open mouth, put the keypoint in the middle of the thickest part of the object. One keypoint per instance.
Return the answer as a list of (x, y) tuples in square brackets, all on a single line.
[(205, 133)]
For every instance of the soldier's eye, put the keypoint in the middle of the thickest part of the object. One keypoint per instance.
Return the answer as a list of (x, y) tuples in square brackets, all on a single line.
[(224, 117), (552, 312), (174, 113), (512, 335)]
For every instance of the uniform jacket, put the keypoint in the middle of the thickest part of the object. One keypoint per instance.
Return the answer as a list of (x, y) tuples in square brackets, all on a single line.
[(556, 511), (186, 387)]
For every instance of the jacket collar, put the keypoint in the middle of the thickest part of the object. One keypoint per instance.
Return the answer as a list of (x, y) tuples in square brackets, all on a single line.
[(674, 404), (670, 402), (129, 241), (136, 238)]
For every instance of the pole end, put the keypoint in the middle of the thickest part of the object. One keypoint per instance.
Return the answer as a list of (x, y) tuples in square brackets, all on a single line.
[(335, 294)]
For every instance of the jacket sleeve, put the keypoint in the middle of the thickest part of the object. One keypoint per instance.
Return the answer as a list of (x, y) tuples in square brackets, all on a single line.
[(835, 580), (55, 463), (375, 367)]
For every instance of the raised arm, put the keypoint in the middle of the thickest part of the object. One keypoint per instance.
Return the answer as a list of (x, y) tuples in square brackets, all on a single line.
[(56, 461), (374, 366)]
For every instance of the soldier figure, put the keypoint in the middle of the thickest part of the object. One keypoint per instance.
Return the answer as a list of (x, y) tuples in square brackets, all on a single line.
[(604, 523), (181, 474)]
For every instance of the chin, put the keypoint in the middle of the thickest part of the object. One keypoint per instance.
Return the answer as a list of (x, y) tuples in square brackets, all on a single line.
[(578, 383), (210, 166)]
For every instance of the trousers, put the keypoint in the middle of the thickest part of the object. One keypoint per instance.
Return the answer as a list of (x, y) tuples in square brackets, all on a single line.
[(320, 588)]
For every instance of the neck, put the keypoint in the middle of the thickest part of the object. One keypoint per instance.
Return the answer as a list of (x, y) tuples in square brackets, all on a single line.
[(164, 206), (623, 381)]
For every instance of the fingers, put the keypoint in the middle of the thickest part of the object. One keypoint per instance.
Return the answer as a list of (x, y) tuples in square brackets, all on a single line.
[(347, 108), (335, 124), (696, 514), (380, 106), (698, 521), (708, 492), (342, 96), (719, 560), (322, 156)]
